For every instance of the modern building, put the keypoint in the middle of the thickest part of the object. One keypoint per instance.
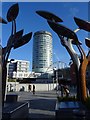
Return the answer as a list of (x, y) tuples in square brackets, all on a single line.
[(18, 69), (42, 51)]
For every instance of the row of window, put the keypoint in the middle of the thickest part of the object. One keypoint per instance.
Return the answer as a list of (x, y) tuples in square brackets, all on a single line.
[(42, 36), (40, 67)]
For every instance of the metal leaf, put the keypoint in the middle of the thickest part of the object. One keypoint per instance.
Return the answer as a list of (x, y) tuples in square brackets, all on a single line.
[(63, 31), (3, 21), (49, 16), (22, 41), (87, 42), (19, 34), (85, 25), (14, 38), (13, 12)]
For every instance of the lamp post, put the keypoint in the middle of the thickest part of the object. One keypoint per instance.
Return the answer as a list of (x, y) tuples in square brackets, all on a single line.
[(54, 77), (57, 80), (8, 62)]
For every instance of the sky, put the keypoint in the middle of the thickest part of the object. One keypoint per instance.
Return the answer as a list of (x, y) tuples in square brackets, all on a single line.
[(31, 22)]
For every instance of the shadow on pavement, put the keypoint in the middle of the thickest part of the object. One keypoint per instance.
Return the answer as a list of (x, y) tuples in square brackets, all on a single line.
[(42, 108), (43, 104)]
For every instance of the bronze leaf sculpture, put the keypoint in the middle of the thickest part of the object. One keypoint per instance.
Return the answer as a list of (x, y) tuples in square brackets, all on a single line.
[(68, 38), (16, 39)]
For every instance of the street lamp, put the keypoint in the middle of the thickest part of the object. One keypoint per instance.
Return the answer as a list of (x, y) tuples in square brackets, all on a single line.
[(8, 62), (54, 76), (57, 74)]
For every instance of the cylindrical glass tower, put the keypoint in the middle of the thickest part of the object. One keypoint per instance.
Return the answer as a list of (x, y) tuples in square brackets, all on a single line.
[(42, 51)]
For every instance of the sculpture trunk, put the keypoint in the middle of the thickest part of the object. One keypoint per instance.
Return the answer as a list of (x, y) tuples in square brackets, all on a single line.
[(78, 84), (4, 75), (83, 68)]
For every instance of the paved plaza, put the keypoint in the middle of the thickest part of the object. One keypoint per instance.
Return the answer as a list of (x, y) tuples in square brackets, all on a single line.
[(41, 105)]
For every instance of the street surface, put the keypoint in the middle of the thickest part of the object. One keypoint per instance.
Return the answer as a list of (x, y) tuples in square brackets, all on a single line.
[(41, 105)]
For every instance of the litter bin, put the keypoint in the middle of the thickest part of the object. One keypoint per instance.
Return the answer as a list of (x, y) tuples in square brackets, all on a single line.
[(11, 98)]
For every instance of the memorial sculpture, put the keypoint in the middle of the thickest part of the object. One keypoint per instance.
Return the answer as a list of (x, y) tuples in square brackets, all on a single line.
[(69, 38), (16, 39)]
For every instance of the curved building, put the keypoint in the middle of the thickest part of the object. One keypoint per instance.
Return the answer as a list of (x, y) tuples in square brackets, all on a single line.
[(42, 51)]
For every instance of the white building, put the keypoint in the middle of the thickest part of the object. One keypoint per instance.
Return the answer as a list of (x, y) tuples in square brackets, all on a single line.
[(18, 69), (42, 51)]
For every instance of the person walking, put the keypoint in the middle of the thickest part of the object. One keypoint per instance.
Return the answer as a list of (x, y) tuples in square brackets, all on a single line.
[(33, 89), (29, 88)]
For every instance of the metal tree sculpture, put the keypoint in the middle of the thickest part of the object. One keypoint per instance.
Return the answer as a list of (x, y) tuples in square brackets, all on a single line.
[(3, 22), (85, 25), (68, 38), (15, 40)]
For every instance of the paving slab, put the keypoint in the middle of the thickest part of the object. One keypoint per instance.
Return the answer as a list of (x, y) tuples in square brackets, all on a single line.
[(41, 105)]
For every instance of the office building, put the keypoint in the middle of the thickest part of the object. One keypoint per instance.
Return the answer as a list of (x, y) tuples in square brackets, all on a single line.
[(42, 51), (18, 69)]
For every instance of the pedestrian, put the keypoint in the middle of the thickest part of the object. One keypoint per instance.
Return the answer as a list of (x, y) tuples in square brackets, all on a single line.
[(29, 88), (33, 89)]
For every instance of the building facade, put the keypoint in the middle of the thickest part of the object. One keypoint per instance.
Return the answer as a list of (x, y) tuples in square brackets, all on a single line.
[(18, 69), (42, 51)]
